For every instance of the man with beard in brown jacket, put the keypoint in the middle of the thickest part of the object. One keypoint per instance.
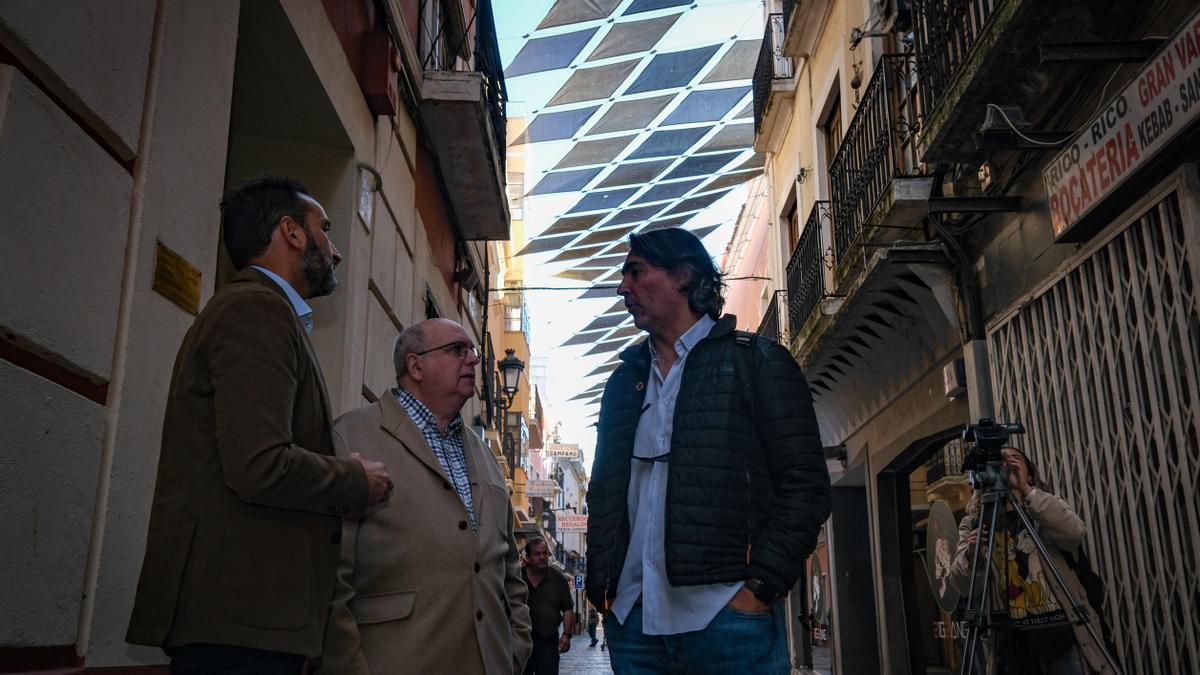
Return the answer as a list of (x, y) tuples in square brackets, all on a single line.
[(242, 550)]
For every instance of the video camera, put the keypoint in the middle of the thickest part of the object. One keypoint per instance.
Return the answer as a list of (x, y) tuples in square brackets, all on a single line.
[(983, 462)]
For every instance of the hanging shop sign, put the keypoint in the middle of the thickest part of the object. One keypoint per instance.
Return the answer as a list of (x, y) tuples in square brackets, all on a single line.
[(569, 522), (563, 450), (541, 488), (1154, 109), (941, 543)]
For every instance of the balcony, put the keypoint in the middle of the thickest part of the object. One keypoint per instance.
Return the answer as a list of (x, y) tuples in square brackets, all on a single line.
[(944, 476), (806, 271), (773, 88), (869, 298), (878, 191), (802, 25), (463, 101), (968, 51), (772, 323)]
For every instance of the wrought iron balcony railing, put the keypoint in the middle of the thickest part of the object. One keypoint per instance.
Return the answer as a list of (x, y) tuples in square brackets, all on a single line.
[(487, 63), (878, 147), (446, 48), (772, 65), (945, 33), (772, 321), (806, 270)]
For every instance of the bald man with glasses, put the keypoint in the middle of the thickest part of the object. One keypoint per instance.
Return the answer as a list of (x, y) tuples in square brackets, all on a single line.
[(431, 581)]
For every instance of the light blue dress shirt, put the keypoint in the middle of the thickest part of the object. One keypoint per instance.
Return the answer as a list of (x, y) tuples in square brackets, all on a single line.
[(666, 609), (298, 304)]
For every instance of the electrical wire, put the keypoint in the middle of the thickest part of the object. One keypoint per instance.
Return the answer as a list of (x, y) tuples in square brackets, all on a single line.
[(1087, 120)]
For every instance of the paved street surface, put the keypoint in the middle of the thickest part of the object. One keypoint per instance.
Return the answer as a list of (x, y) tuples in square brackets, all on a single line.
[(584, 660), (822, 662)]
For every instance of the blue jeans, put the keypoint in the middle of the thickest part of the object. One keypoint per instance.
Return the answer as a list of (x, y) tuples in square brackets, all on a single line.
[(734, 642)]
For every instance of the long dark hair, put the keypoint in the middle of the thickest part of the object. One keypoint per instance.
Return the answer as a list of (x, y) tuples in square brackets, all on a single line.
[(674, 249)]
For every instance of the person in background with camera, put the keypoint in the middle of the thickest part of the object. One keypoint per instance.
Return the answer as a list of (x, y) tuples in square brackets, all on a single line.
[(1041, 636)]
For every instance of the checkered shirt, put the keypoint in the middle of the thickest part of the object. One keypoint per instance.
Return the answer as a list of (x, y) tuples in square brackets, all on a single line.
[(447, 447)]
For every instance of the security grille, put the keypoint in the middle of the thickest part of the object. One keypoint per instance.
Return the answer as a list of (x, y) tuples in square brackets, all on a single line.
[(1103, 368)]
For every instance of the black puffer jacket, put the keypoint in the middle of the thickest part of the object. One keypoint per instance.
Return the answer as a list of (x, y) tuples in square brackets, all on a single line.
[(747, 490)]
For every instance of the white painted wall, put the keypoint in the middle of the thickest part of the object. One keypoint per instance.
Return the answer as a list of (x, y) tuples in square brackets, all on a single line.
[(93, 55), (184, 155)]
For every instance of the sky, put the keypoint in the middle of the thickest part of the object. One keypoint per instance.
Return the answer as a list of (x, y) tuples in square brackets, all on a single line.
[(556, 315)]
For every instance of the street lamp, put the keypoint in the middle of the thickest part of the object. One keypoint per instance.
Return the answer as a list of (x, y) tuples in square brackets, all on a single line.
[(510, 374), (510, 382)]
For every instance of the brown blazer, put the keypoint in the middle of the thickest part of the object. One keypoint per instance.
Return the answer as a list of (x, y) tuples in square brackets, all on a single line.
[(244, 529), (418, 590)]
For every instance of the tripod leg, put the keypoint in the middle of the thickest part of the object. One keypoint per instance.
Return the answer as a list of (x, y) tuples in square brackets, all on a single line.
[(989, 509), (1077, 605)]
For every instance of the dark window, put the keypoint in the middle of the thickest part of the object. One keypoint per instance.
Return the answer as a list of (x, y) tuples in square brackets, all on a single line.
[(831, 129), (431, 310)]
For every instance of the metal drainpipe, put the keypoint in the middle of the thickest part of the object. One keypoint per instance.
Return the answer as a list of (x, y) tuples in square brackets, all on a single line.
[(112, 409), (487, 377)]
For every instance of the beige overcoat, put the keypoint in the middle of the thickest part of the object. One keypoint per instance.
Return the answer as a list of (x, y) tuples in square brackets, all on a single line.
[(420, 591), (243, 543)]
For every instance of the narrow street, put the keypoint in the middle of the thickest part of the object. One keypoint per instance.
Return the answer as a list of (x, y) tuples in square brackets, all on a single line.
[(841, 302), (585, 660)]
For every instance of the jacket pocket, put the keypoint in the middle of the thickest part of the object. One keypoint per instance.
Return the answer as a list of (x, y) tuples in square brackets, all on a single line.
[(383, 607), (268, 579)]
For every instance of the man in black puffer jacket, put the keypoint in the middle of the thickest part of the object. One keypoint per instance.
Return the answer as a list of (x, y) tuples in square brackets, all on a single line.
[(709, 485)]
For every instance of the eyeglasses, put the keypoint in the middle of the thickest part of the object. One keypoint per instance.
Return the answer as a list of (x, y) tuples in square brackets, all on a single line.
[(459, 348)]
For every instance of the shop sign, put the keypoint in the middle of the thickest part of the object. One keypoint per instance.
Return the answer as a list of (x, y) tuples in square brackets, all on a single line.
[(541, 488), (1152, 110), (957, 630), (563, 450), (941, 543), (569, 522)]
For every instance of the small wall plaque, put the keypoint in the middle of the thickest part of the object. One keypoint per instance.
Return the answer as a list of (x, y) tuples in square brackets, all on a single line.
[(176, 279)]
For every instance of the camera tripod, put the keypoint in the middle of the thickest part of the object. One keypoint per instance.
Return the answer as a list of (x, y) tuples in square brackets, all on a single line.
[(996, 496)]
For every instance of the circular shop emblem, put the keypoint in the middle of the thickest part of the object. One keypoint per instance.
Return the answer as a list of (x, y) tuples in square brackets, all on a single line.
[(941, 541)]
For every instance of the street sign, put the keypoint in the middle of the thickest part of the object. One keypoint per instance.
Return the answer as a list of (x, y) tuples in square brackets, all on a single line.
[(541, 488), (563, 450), (578, 581), (569, 522)]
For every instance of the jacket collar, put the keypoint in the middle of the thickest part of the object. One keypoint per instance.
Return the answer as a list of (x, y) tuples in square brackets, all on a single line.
[(638, 355), (250, 275), (395, 421)]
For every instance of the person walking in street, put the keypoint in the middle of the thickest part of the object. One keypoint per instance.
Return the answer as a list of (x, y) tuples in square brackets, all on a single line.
[(709, 485), (430, 583), (239, 566), (550, 604), (593, 621)]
